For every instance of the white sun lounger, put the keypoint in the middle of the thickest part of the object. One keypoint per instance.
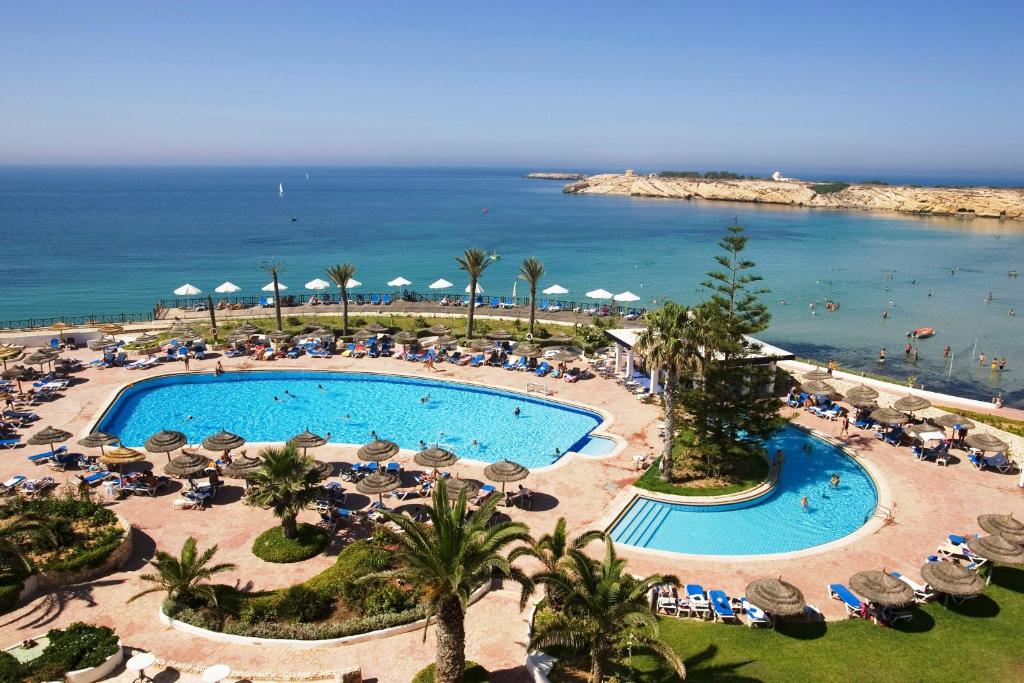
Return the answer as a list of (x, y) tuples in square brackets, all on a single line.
[(922, 592)]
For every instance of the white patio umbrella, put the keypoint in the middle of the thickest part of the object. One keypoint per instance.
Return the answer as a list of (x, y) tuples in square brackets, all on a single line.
[(555, 289), (440, 284), (227, 288), (626, 296), (399, 282), (479, 289), (318, 284), (600, 294), (269, 287), (187, 290), (353, 283)]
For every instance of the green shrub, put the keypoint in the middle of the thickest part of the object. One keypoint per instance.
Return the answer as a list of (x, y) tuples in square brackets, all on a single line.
[(79, 646), (203, 617), (10, 668), (260, 609), (829, 188), (9, 597), (324, 630), (272, 546), (302, 604), (386, 599), (474, 674), (293, 321)]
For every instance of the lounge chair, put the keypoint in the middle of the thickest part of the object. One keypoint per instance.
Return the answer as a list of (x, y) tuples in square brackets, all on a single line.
[(12, 483), (375, 300), (320, 353), (486, 491), (36, 487), (755, 615), (394, 468), (21, 415), (96, 477), (721, 607), (698, 600), (922, 592), (477, 361), (42, 458), (520, 364), (385, 299), (853, 604), (542, 369), (10, 442)]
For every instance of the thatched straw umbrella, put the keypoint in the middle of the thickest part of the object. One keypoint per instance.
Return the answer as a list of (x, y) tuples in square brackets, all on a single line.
[(48, 437), (166, 441), (861, 394), (882, 588), (377, 328), (363, 335), (241, 466), (439, 329), (378, 483), (818, 387), (111, 329), (377, 450), (499, 335), (8, 352), (954, 421), (404, 337), (223, 441), (815, 374), (98, 440), (38, 358), (996, 549), (984, 441), (307, 439), (247, 329), (17, 373), (565, 356), (776, 597), (889, 416), (560, 338), (122, 456), (506, 471), (528, 350), (188, 464), (911, 404), (455, 485), (1003, 525), (952, 579), (323, 470), (435, 457), (480, 344)]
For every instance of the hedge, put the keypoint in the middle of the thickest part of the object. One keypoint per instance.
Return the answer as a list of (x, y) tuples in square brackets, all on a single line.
[(79, 646), (474, 673), (272, 546)]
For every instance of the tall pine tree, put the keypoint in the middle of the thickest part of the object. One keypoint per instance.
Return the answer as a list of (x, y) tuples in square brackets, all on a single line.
[(727, 398)]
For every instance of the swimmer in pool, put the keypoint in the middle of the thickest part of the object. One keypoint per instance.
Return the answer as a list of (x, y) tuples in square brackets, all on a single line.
[(516, 412), (804, 503), (834, 481)]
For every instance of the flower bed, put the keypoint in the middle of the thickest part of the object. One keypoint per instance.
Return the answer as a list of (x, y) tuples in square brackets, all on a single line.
[(80, 648)]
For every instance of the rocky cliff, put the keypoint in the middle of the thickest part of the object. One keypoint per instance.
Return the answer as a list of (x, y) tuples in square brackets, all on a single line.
[(548, 175), (936, 201)]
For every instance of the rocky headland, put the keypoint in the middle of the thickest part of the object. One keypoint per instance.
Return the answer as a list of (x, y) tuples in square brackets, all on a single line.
[(555, 176), (988, 202)]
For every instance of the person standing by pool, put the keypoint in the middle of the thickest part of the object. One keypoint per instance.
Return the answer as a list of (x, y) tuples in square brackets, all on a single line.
[(844, 425), (185, 360)]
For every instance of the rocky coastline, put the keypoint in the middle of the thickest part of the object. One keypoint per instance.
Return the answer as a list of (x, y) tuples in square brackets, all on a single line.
[(554, 176), (968, 202)]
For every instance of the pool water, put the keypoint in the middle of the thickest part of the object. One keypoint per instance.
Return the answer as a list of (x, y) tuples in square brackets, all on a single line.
[(596, 445), (475, 422), (774, 523)]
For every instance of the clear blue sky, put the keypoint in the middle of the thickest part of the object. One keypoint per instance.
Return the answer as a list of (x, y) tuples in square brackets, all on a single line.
[(859, 85)]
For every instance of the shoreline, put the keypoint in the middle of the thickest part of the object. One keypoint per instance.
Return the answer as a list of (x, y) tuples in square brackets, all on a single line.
[(965, 202)]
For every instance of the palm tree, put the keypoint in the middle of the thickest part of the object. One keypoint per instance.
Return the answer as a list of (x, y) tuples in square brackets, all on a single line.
[(340, 275), (448, 561), (286, 482), (274, 269), (184, 578), (16, 530), (474, 262), (552, 549), (532, 270), (605, 611), (664, 343)]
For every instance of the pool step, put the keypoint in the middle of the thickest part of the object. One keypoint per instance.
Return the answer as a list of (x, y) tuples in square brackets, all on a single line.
[(642, 522)]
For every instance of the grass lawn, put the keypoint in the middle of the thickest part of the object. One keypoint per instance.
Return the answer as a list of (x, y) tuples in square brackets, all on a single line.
[(747, 470), (977, 641)]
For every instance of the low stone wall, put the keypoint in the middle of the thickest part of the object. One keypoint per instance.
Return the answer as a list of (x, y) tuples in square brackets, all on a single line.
[(347, 675), (97, 673), (50, 580)]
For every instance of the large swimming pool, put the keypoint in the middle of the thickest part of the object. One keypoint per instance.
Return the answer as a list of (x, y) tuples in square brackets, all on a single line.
[(477, 423), (774, 523)]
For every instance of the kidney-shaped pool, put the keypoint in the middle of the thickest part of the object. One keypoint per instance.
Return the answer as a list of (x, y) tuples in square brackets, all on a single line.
[(774, 523), (476, 422)]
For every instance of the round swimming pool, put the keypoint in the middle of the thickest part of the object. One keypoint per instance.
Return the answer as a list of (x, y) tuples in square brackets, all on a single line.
[(774, 523), (477, 423)]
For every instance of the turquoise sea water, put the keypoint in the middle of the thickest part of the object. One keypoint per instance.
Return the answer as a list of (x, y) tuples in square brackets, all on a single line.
[(82, 241), (475, 423), (776, 523)]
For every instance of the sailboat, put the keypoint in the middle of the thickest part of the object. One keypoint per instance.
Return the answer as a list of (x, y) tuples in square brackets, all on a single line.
[(280, 189)]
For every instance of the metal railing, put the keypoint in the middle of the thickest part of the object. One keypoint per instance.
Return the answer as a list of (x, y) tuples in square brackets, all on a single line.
[(77, 320)]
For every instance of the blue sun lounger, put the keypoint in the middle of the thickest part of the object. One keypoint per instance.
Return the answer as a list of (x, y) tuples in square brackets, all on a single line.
[(542, 369), (11, 442), (697, 600), (41, 458), (477, 361), (854, 607), (722, 607)]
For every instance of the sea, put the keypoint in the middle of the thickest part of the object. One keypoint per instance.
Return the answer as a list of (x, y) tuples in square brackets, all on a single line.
[(84, 241)]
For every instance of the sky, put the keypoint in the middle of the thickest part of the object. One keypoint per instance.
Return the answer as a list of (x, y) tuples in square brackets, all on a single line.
[(905, 86)]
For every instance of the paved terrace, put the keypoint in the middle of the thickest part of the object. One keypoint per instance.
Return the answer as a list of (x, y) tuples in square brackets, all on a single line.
[(928, 502)]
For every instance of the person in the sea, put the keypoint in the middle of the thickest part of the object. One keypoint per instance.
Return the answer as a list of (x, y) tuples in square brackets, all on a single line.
[(907, 349), (885, 315), (881, 355), (1002, 363), (946, 351), (981, 359), (913, 354)]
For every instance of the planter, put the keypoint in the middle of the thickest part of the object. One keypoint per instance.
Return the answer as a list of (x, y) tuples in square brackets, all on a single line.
[(97, 673)]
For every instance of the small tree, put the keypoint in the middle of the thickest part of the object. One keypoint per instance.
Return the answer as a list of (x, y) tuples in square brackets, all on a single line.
[(184, 578), (532, 270), (286, 482), (340, 275), (274, 269), (474, 262), (20, 529), (663, 343), (448, 561), (605, 612), (552, 550)]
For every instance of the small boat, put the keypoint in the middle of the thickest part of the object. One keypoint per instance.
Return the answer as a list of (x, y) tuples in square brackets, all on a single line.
[(484, 210), (280, 189), (922, 333), (294, 219)]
